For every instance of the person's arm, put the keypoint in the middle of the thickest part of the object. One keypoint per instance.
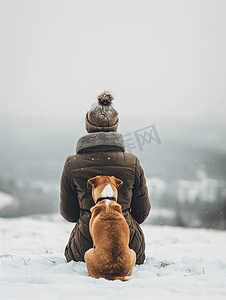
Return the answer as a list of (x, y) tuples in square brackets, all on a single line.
[(69, 206), (140, 204)]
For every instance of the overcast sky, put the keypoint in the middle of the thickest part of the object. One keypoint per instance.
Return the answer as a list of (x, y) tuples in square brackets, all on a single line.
[(159, 58)]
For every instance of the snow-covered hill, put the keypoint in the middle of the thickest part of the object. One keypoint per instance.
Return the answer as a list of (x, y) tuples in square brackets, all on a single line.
[(6, 200), (203, 188), (181, 264)]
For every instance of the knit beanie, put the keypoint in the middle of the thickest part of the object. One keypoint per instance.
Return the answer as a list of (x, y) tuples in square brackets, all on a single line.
[(102, 116)]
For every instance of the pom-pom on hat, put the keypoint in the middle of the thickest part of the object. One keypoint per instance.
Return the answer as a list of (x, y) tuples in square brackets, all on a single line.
[(102, 116)]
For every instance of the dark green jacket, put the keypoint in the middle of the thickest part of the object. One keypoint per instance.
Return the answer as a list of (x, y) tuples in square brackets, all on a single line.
[(102, 153)]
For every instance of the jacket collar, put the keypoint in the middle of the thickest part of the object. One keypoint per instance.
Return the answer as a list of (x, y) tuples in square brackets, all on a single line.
[(101, 139)]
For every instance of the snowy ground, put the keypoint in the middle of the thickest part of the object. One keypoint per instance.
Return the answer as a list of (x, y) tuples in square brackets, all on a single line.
[(181, 264)]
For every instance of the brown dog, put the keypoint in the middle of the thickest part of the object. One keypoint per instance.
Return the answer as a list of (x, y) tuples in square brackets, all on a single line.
[(110, 258)]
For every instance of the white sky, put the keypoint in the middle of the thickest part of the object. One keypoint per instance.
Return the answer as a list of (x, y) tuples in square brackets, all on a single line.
[(159, 58)]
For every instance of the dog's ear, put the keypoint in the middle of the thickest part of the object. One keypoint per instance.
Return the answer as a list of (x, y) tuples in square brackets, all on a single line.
[(92, 182), (117, 182)]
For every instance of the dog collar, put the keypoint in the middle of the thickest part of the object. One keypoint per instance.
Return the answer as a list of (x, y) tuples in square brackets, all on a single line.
[(105, 198)]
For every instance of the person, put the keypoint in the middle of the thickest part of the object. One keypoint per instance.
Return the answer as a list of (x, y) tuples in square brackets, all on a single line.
[(102, 152)]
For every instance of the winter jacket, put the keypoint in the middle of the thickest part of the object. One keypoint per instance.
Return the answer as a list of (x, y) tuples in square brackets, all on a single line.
[(102, 153)]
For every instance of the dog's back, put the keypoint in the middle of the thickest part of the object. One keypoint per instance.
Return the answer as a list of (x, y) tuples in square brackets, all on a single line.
[(110, 257), (110, 233)]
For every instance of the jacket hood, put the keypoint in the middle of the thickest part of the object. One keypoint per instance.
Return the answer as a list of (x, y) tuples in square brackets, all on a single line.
[(101, 139)]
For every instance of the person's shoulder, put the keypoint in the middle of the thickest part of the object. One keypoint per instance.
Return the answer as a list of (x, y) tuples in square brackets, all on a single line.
[(131, 155), (70, 160), (131, 158)]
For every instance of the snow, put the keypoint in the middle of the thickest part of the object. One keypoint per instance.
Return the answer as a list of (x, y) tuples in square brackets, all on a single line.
[(103, 111), (6, 199), (181, 264), (204, 188), (163, 213)]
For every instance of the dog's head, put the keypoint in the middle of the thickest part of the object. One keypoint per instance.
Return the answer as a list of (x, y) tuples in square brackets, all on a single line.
[(104, 186)]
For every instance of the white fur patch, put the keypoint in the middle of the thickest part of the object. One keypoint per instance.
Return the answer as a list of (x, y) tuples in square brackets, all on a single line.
[(107, 202), (108, 191)]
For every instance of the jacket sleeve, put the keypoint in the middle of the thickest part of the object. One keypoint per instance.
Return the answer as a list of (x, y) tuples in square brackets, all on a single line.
[(69, 205), (140, 204)]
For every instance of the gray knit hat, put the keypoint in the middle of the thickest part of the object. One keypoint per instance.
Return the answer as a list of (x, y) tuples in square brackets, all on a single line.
[(102, 116)]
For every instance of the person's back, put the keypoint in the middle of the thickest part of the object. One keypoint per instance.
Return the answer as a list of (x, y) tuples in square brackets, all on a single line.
[(102, 152)]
